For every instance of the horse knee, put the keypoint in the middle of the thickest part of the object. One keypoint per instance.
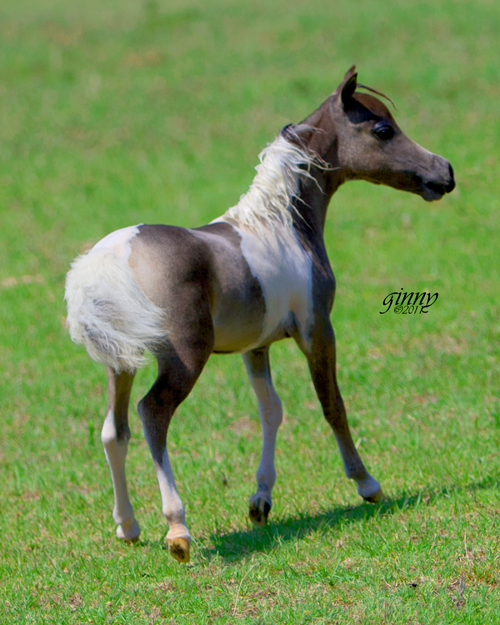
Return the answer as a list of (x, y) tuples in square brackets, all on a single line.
[(271, 412)]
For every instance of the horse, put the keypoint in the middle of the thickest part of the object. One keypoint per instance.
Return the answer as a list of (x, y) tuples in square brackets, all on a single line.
[(257, 274)]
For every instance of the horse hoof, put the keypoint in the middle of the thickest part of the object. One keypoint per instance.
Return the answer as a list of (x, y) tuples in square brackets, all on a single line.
[(376, 497), (179, 549), (258, 511), (128, 532)]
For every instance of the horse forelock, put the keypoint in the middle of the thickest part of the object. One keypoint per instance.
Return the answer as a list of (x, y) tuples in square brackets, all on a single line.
[(268, 202)]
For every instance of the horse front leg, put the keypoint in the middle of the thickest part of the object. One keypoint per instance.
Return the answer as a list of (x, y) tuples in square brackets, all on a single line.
[(115, 436), (271, 416), (320, 353)]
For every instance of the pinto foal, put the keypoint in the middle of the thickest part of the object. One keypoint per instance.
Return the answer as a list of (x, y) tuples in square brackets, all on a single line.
[(257, 274)]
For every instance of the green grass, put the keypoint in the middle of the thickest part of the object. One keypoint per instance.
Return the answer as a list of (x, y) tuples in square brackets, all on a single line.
[(115, 113)]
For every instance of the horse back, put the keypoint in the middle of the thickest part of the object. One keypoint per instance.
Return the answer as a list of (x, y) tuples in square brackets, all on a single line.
[(189, 271)]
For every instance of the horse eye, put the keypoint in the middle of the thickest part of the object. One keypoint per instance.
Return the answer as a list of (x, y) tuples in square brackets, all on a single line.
[(384, 131)]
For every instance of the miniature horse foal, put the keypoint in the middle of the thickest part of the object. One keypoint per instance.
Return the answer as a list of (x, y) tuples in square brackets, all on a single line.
[(257, 274)]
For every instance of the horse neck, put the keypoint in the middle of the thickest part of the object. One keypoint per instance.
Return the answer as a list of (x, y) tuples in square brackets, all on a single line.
[(312, 200), (315, 192)]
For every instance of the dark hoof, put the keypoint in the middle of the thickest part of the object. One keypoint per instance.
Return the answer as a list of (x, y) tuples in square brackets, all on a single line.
[(376, 497), (259, 511)]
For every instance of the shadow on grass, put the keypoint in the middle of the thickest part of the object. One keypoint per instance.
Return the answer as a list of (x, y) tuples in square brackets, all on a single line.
[(234, 546)]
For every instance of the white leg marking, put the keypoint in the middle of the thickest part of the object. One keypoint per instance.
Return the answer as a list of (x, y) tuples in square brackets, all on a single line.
[(172, 506), (367, 485), (116, 452), (271, 416)]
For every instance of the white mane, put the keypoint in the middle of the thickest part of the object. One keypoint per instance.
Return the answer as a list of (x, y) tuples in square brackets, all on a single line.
[(268, 202)]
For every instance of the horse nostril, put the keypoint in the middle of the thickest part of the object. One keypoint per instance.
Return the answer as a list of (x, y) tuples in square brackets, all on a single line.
[(451, 184)]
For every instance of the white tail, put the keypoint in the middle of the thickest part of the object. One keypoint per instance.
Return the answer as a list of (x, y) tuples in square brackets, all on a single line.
[(109, 313)]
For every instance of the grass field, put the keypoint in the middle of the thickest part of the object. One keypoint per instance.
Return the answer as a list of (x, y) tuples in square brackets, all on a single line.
[(115, 113)]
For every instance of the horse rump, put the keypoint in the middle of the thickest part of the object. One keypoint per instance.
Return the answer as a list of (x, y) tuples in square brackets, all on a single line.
[(109, 313)]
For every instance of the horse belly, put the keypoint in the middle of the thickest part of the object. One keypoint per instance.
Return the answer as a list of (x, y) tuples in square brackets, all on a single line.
[(235, 334), (238, 314)]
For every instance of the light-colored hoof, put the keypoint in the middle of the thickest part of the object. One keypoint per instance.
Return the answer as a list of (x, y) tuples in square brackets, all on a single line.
[(258, 511), (179, 549), (128, 532), (376, 497)]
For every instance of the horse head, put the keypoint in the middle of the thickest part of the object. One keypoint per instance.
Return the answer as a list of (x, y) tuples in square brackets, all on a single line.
[(357, 137)]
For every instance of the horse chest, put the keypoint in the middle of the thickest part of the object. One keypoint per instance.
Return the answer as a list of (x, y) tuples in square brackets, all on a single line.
[(284, 271)]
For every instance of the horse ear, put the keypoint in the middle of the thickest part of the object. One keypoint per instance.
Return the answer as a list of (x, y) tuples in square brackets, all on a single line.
[(348, 86)]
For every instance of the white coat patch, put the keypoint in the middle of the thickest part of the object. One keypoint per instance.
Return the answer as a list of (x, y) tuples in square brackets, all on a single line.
[(107, 310), (118, 241), (284, 271)]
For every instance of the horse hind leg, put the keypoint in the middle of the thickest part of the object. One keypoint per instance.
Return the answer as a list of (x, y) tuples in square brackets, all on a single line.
[(271, 416), (115, 436), (177, 374)]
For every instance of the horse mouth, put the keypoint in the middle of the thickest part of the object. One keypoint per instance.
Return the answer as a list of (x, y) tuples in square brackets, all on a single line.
[(432, 191)]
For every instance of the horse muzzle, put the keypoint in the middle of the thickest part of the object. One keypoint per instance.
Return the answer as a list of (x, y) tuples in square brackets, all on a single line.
[(432, 190)]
